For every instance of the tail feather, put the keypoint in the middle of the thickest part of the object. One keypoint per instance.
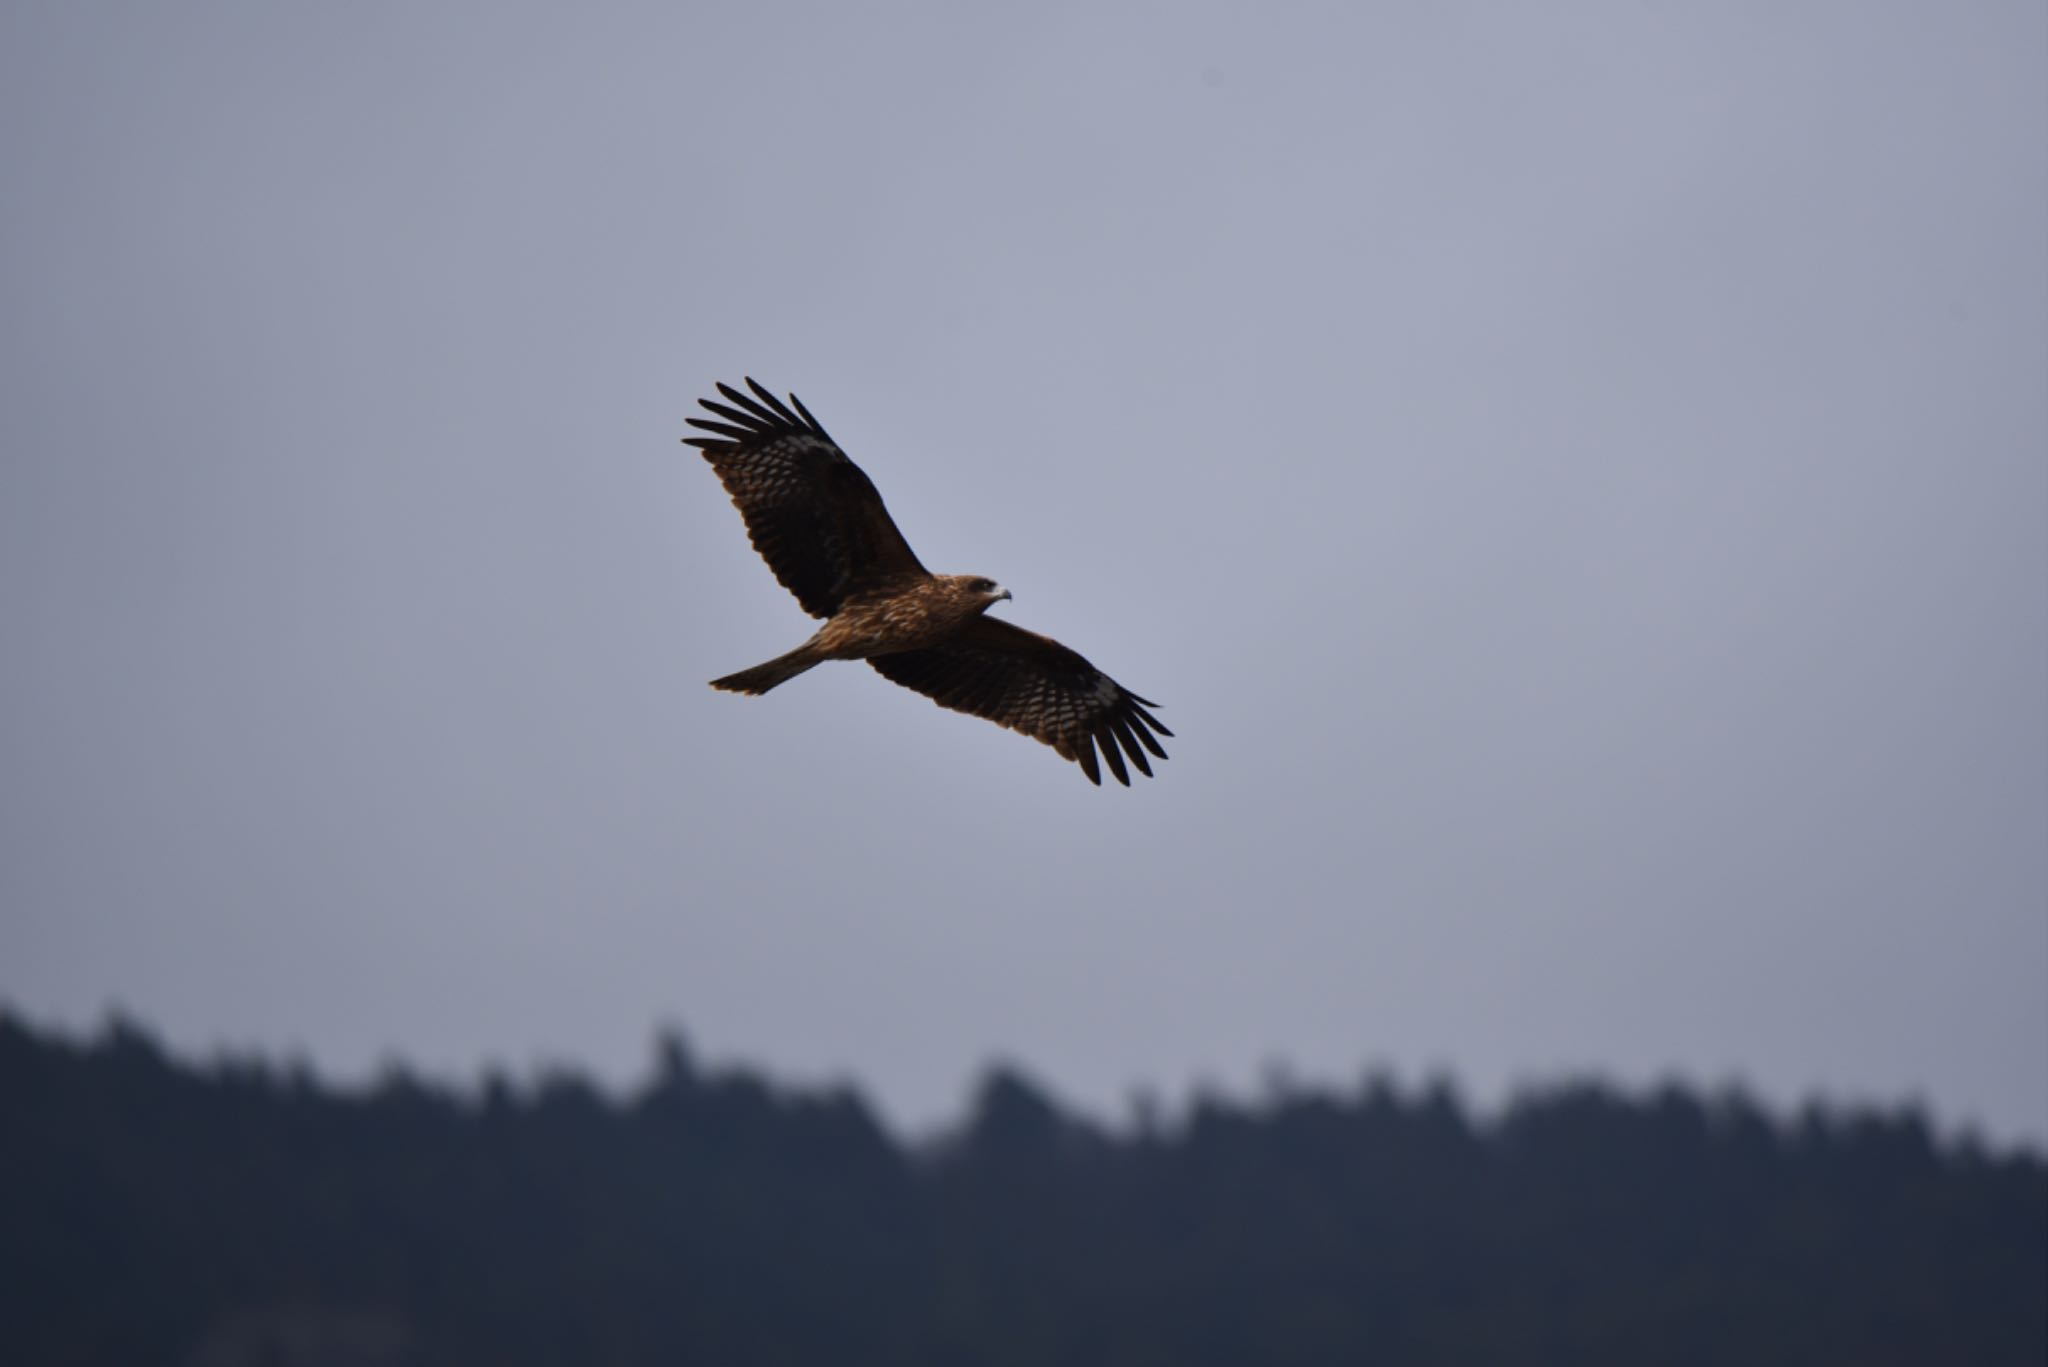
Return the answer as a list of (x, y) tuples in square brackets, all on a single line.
[(763, 677)]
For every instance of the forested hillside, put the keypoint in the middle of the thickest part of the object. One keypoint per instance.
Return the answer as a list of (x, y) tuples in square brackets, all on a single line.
[(155, 1212)]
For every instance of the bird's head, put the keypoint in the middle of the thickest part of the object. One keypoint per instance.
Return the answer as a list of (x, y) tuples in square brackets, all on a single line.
[(985, 592)]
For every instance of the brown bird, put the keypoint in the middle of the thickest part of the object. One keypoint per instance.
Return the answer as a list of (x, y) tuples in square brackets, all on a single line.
[(820, 525)]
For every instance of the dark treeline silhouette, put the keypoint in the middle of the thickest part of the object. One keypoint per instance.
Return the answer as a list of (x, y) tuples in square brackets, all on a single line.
[(237, 1215)]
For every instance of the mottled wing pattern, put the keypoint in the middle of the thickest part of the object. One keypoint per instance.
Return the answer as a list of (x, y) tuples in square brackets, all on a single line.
[(1033, 684), (811, 513)]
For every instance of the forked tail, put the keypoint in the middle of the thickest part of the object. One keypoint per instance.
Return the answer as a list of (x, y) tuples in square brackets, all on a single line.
[(763, 677)]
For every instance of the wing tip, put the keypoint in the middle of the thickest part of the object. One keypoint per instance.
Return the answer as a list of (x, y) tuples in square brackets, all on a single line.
[(760, 414)]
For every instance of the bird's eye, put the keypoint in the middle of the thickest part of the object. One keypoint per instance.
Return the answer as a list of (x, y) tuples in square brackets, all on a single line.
[(983, 585)]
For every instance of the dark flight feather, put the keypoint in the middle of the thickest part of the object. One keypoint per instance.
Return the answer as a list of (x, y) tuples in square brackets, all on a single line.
[(1034, 685)]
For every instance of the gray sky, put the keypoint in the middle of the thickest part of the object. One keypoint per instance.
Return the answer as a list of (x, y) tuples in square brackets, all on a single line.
[(1575, 476)]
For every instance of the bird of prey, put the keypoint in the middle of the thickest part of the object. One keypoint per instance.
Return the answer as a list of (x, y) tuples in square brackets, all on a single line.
[(820, 525)]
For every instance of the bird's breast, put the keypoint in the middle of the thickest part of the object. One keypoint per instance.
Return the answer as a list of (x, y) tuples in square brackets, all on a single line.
[(885, 624)]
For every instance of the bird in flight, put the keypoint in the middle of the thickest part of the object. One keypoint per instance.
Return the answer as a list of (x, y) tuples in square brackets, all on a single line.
[(820, 524)]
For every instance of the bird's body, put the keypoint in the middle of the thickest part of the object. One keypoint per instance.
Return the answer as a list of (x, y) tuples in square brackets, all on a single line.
[(820, 524), (886, 620)]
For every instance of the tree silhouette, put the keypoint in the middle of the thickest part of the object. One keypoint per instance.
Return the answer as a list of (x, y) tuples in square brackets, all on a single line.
[(239, 1214)]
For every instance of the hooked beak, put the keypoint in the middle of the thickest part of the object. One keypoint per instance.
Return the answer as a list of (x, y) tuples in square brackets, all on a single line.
[(1001, 596)]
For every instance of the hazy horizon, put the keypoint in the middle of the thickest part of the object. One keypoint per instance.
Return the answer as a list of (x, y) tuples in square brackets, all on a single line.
[(1144, 1108)]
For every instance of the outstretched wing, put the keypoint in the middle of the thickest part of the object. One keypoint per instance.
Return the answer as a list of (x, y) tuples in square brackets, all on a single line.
[(810, 512), (1032, 683)]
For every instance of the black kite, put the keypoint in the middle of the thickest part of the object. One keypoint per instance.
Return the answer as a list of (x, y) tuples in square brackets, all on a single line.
[(820, 525)]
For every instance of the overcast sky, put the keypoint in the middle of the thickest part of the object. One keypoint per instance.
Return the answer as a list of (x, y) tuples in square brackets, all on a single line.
[(1575, 477)]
